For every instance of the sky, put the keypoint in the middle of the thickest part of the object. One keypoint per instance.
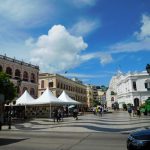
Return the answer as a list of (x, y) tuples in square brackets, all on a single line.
[(87, 39)]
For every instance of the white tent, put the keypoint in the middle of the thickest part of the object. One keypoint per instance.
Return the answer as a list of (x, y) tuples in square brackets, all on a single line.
[(67, 100), (25, 99), (47, 98)]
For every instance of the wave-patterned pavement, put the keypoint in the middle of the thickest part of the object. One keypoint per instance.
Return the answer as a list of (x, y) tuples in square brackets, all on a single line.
[(110, 122)]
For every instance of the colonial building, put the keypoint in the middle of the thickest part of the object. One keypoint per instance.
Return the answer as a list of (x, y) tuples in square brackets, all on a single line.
[(23, 75), (127, 88), (89, 92), (57, 83)]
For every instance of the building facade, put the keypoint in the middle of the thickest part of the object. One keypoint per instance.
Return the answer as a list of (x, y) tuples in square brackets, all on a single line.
[(57, 83), (23, 75), (133, 88)]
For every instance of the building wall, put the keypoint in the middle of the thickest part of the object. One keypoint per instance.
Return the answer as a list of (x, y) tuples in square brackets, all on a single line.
[(26, 73), (130, 88), (58, 83)]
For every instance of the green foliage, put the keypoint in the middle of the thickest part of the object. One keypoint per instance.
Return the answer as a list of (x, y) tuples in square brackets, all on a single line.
[(95, 103), (7, 88)]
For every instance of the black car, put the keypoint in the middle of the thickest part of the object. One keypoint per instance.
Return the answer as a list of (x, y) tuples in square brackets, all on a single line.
[(139, 140)]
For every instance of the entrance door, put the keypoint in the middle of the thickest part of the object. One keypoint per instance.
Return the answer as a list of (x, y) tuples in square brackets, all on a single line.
[(136, 102)]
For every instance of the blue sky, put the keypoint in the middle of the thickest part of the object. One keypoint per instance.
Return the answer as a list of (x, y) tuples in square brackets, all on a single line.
[(90, 39)]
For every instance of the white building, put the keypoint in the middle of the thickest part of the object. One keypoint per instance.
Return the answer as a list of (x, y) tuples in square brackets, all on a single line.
[(127, 88)]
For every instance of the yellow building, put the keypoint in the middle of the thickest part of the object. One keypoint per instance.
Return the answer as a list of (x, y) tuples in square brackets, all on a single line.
[(57, 83)]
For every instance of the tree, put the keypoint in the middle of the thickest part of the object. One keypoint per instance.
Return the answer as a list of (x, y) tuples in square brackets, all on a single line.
[(7, 88)]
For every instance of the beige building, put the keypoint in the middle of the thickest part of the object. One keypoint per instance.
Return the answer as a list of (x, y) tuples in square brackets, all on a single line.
[(57, 83), (23, 75), (89, 96)]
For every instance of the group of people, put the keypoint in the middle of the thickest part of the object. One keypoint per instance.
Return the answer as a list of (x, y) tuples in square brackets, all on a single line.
[(132, 110), (98, 110), (60, 112)]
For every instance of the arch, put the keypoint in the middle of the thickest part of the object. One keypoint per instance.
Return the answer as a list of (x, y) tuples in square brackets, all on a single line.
[(9, 71), (24, 88), (25, 76), (32, 92), (136, 102), (32, 77), (1, 68), (17, 74)]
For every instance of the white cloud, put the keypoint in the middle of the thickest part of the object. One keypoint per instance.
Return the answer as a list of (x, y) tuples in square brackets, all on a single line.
[(81, 3), (145, 28), (84, 27), (105, 58), (134, 46), (141, 43), (24, 13), (58, 50)]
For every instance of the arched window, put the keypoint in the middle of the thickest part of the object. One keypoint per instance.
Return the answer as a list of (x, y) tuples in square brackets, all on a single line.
[(32, 77), (25, 76), (1, 69), (42, 84), (17, 74), (25, 88), (9, 71), (32, 92)]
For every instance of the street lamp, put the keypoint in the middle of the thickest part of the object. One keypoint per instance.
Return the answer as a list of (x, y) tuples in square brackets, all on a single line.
[(148, 68)]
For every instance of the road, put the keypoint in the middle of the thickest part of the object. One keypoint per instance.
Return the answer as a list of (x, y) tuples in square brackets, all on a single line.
[(61, 141), (90, 132)]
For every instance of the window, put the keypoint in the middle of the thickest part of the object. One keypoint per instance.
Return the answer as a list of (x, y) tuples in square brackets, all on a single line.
[(50, 84), (42, 84), (32, 77), (147, 85), (9, 71), (24, 89), (134, 85), (25, 76), (17, 74), (32, 92)]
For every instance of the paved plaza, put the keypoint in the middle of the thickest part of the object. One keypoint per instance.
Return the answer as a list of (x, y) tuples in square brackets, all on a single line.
[(111, 122)]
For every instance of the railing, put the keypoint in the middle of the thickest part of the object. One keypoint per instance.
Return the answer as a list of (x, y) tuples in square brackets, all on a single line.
[(18, 61)]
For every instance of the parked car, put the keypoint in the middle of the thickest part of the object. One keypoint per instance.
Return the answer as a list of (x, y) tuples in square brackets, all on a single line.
[(139, 140)]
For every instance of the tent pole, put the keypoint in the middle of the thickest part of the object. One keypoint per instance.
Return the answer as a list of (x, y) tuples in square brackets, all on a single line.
[(50, 111)]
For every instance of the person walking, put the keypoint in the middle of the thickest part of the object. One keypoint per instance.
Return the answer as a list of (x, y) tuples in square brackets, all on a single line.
[(55, 114), (138, 112), (130, 110)]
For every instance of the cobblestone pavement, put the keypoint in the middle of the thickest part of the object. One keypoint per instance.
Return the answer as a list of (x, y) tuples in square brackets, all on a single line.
[(111, 122)]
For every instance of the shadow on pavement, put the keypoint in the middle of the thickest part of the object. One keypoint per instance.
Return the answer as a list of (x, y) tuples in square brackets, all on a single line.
[(6, 141)]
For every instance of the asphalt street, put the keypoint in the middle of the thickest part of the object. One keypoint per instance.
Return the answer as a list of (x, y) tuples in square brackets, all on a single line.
[(90, 132)]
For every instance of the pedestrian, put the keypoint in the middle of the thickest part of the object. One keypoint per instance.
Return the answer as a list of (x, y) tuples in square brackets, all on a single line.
[(55, 114), (130, 110), (138, 112), (134, 111), (75, 113), (100, 110)]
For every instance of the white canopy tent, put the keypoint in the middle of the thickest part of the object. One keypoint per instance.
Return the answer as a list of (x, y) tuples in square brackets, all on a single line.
[(24, 99), (67, 100), (47, 98)]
